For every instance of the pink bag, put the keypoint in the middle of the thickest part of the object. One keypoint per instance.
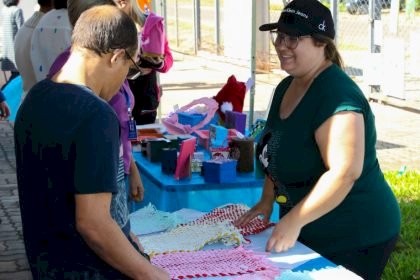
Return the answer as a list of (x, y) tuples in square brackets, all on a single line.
[(174, 127), (153, 36)]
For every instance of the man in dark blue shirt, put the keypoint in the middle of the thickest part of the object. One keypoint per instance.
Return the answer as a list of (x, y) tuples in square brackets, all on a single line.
[(67, 153)]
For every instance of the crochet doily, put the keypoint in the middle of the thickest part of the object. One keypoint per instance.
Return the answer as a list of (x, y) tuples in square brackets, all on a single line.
[(231, 213), (191, 238), (148, 220), (222, 262)]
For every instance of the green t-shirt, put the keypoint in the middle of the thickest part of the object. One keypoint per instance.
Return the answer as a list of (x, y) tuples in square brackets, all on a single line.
[(370, 213)]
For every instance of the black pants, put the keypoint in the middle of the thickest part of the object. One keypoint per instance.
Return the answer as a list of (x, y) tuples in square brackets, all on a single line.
[(147, 95), (368, 262)]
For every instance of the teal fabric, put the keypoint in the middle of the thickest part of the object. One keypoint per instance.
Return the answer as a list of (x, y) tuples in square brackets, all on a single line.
[(370, 213), (13, 94)]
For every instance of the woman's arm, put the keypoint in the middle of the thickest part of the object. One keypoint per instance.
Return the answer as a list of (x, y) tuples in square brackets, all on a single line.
[(341, 142), (136, 184), (168, 60)]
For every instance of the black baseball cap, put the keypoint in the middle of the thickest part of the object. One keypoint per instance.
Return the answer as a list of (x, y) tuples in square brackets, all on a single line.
[(304, 17)]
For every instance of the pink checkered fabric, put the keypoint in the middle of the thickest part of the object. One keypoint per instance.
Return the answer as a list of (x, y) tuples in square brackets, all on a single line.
[(211, 263), (231, 213)]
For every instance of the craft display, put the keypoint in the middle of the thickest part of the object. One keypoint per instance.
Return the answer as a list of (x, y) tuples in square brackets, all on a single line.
[(192, 238), (235, 120), (204, 137), (223, 262), (218, 136), (231, 213), (219, 170), (231, 97), (175, 127), (242, 149), (219, 153), (169, 160), (147, 133), (183, 165), (256, 129), (191, 119), (154, 148)]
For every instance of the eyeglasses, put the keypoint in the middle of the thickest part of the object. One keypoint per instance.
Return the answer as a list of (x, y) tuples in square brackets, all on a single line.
[(291, 42), (133, 73)]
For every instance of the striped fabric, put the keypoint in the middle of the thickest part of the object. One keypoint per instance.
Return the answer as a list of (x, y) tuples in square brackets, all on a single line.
[(12, 20)]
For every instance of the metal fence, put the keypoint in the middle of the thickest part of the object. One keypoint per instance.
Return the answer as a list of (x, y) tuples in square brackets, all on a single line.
[(379, 44)]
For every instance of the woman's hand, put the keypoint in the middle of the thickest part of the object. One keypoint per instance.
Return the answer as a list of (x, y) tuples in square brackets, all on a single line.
[(263, 207), (284, 235)]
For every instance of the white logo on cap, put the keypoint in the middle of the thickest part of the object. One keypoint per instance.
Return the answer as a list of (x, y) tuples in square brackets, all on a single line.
[(298, 12), (322, 26)]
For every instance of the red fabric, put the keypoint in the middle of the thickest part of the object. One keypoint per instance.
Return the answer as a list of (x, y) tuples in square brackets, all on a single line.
[(213, 263), (233, 92)]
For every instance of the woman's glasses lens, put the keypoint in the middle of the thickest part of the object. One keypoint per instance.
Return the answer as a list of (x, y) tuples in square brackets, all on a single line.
[(290, 42)]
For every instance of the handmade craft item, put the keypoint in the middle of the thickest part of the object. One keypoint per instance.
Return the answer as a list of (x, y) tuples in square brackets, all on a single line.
[(242, 149), (235, 120), (169, 160), (231, 97), (154, 148), (183, 168), (191, 119), (222, 262), (219, 170), (191, 238), (149, 220), (218, 136), (231, 213)]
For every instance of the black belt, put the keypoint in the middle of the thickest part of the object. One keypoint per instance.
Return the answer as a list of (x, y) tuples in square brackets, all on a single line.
[(300, 184)]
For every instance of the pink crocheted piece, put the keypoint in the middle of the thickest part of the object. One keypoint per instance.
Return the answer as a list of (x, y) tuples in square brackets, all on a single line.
[(232, 212), (211, 263)]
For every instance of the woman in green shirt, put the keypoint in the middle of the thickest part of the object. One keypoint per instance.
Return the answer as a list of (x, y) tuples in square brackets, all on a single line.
[(318, 152)]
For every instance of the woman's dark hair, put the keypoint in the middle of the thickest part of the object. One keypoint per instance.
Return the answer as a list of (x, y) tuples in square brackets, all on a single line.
[(103, 29), (331, 52), (60, 4), (9, 3)]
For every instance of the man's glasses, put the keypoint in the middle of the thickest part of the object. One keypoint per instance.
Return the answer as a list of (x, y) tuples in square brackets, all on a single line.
[(133, 73), (291, 42)]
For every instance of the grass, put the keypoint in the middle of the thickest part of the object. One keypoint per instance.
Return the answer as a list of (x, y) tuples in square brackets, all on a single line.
[(405, 260)]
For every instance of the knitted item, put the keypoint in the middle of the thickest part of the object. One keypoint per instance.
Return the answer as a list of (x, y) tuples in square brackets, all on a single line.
[(191, 238), (232, 92), (231, 213), (224, 262), (148, 220)]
